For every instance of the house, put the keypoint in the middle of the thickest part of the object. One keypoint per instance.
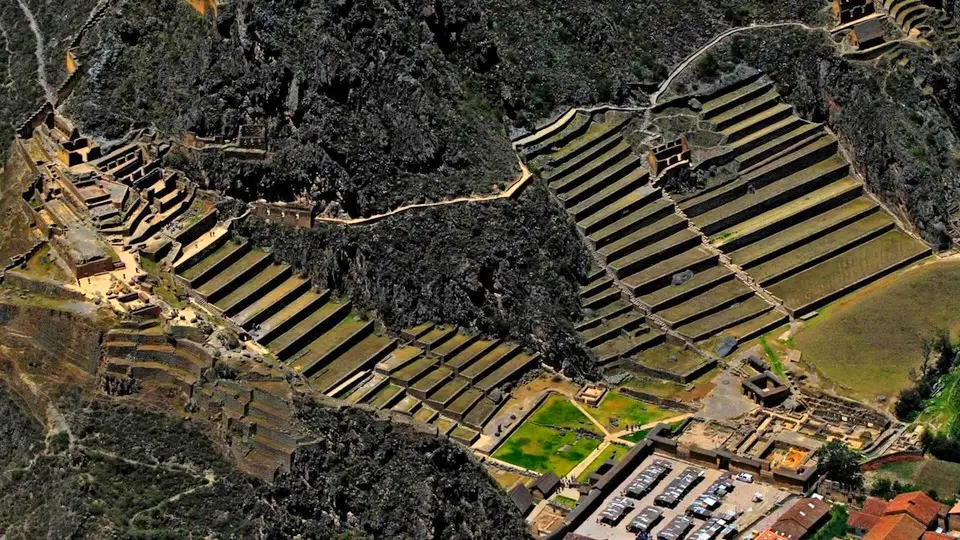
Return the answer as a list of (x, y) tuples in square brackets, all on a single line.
[(802, 519), (953, 518), (909, 516), (546, 485), (766, 389), (521, 497), (867, 34)]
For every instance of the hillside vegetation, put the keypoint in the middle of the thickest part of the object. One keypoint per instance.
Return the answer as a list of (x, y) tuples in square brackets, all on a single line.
[(135, 474)]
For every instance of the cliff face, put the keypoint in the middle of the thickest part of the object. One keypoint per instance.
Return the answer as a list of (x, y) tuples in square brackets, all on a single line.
[(43, 336)]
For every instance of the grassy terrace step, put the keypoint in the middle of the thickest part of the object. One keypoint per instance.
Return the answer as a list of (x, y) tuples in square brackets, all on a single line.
[(368, 388), (574, 129), (595, 287), (430, 382), (448, 392), (627, 346), (360, 356), (662, 249), (731, 99), (386, 397), (291, 314), (781, 217), (412, 372), (643, 200), (656, 231), (225, 279), (745, 110), (251, 291), (612, 328), (560, 173), (727, 318), (425, 415), (863, 264), (436, 336), (659, 275), (213, 259), (635, 220), (591, 169), (397, 359), (417, 331), (613, 192), (449, 348), (480, 413), (325, 348), (596, 134), (609, 311), (798, 160), (757, 326), (408, 405), (444, 425), (602, 298), (460, 406), (706, 303), (767, 197), (617, 170), (474, 352), (801, 131), (317, 320), (803, 232), (490, 361), (759, 138), (670, 295), (595, 273), (507, 372), (754, 123), (828, 246), (272, 302)]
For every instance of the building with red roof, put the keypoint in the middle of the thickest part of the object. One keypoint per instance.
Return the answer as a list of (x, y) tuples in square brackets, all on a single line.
[(802, 519), (909, 516)]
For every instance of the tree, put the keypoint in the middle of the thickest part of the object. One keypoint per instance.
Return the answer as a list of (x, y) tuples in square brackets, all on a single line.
[(841, 464)]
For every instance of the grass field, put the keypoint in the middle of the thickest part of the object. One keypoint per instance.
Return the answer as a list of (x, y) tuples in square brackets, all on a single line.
[(776, 366), (870, 340), (931, 473), (547, 440), (612, 451), (618, 411)]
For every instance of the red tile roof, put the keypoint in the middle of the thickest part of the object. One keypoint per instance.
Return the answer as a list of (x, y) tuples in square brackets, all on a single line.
[(896, 527), (862, 520), (956, 509), (874, 506), (930, 535), (917, 505), (770, 535), (801, 518)]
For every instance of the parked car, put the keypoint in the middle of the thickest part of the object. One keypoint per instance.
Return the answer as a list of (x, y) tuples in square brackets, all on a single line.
[(745, 477)]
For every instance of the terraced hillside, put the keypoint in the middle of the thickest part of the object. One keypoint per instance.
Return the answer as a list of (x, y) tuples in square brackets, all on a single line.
[(436, 374), (789, 232)]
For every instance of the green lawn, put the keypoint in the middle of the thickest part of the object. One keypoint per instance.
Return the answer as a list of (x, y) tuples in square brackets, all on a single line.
[(617, 411), (612, 451), (870, 340), (931, 473), (548, 440), (776, 366), (565, 502)]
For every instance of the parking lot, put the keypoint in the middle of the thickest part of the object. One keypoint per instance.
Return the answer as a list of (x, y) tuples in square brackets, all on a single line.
[(741, 500)]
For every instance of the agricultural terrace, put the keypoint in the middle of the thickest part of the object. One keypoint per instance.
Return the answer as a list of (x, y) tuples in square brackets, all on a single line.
[(556, 437), (869, 341)]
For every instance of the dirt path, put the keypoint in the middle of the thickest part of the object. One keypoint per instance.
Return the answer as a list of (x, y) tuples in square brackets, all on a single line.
[(41, 63), (517, 185), (655, 97)]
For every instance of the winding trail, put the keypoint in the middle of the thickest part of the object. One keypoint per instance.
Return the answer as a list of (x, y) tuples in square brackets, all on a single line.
[(514, 188), (655, 97), (41, 63)]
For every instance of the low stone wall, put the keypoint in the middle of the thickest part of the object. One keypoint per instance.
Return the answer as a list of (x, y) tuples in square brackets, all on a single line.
[(682, 378), (661, 402), (899, 457)]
